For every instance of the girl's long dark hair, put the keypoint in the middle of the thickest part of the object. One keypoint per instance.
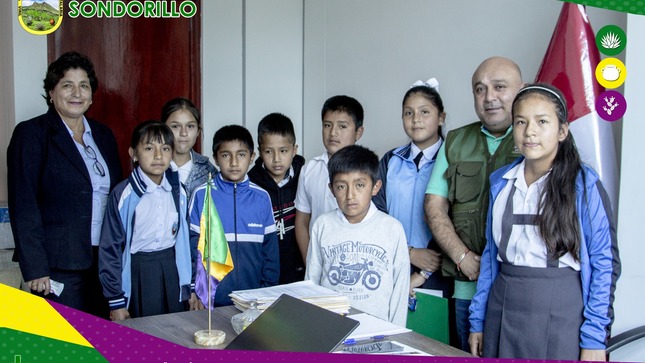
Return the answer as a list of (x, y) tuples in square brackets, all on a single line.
[(558, 217)]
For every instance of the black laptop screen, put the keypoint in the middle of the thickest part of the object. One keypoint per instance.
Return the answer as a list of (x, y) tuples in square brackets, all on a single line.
[(293, 325)]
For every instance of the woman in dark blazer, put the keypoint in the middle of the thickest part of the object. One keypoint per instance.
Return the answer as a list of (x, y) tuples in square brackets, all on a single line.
[(61, 168)]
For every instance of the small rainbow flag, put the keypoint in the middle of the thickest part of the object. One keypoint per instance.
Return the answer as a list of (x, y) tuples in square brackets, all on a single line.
[(212, 249)]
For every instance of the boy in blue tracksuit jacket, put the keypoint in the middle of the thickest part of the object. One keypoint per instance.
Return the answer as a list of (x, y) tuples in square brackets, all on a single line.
[(599, 262), (246, 213)]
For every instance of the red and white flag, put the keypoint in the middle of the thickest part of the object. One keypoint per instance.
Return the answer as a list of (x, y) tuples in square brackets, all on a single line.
[(569, 64)]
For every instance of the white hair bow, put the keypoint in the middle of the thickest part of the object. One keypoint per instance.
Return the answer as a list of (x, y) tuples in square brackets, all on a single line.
[(432, 83)]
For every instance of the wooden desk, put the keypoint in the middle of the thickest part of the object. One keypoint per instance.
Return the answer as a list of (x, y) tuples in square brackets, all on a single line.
[(179, 328)]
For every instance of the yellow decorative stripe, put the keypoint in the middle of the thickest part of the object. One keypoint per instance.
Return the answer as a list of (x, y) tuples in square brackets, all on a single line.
[(32, 314)]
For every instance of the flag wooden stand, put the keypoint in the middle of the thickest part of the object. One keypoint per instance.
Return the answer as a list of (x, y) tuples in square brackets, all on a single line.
[(207, 338)]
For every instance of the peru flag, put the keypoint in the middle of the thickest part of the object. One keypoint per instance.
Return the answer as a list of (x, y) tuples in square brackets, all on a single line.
[(569, 64)]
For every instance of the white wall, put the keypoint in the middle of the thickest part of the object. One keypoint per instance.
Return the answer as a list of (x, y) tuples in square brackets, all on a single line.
[(29, 69), (630, 292), (23, 63), (261, 56), (6, 82), (252, 63), (222, 67), (375, 49)]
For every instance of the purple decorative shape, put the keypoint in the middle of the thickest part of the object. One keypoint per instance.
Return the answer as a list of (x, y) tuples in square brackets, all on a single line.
[(611, 105)]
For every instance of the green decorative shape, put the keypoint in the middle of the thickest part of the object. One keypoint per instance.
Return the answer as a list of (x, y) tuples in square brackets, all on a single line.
[(19, 346), (611, 40), (629, 6)]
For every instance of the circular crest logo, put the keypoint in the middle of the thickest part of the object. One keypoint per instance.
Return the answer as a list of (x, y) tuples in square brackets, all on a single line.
[(40, 17)]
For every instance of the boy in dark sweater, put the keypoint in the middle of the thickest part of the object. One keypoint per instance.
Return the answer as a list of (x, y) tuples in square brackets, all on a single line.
[(277, 171)]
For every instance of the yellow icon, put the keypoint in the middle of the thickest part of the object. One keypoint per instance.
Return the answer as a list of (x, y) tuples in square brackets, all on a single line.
[(611, 73)]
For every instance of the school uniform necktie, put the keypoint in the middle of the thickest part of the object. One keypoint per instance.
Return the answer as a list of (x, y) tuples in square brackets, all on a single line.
[(417, 159)]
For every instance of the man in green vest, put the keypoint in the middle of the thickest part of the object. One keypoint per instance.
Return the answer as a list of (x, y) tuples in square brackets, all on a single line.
[(456, 201)]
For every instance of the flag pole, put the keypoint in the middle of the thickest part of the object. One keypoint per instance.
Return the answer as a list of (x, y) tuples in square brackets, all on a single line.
[(208, 337), (208, 259)]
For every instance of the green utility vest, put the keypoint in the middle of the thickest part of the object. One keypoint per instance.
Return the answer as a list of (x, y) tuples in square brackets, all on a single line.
[(469, 168)]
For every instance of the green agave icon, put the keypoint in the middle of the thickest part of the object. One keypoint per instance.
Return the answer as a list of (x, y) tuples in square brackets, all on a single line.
[(610, 41)]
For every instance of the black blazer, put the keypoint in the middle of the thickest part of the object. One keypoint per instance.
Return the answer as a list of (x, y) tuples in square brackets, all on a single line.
[(50, 194)]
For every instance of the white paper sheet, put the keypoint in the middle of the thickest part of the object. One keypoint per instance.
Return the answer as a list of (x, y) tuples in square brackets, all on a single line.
[(372, 326)]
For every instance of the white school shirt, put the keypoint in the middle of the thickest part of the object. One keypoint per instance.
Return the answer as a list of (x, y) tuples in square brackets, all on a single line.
[(428, 153), (525, 245), (156, 220), (313, 195), (287, 176), (184, 170)]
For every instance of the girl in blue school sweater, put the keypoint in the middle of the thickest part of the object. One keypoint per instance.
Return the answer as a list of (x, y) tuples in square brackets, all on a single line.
[(144, 252), (549, 269)]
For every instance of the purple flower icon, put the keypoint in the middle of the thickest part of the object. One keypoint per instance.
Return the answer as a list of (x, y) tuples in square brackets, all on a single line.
[(611, 105)]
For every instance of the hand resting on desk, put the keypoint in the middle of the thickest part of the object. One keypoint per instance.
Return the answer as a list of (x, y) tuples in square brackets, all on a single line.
[(119, 314)]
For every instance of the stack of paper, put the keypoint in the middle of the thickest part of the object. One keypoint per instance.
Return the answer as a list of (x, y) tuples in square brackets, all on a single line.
[(303, 290), (372, 327)]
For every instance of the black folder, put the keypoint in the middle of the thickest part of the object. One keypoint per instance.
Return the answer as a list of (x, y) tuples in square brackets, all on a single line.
[(293, 325)]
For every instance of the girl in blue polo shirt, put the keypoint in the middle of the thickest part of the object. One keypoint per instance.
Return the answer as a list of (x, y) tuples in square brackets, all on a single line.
[(405, 171)]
